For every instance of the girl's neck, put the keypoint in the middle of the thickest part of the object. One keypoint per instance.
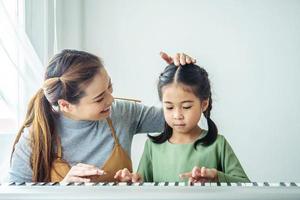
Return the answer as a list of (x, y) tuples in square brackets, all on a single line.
[(186, 138)]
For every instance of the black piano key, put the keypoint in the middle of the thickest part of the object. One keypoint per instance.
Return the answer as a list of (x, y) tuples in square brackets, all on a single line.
[(34, 183), (254, 184), (218, 184), (293, 184), (166, 184), (282, 184), (156, 183), (228, 184), (21, 184), (176, 183), (266, 184), (70, 184), (129, 183), (239, 184), (54, 183), (11, 183)]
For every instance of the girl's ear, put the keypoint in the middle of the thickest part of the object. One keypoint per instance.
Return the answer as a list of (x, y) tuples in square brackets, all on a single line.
[(204, 105), (64, 105)]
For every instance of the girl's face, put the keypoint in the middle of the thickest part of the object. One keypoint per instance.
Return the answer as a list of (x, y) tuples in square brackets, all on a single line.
[(182, 109), (96, 103)]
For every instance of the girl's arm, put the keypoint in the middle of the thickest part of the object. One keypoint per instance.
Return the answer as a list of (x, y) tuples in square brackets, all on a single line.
[(145, 166), (232, 170)]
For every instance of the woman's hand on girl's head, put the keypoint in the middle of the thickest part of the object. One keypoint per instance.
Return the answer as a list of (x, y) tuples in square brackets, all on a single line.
[(201, 175), (79, 172), (124, 175), (177, 59)]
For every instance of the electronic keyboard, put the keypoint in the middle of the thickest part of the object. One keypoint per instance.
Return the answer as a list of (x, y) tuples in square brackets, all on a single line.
[(155, 190)]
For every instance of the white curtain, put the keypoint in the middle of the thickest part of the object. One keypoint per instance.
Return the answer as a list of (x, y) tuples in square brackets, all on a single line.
[(21, 70)]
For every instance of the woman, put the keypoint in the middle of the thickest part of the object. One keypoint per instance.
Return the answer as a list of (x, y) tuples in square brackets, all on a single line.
[(73, 126)]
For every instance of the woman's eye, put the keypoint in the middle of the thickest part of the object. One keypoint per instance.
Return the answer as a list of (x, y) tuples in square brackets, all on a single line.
[(98, 101), (187, 107), (169, 108)]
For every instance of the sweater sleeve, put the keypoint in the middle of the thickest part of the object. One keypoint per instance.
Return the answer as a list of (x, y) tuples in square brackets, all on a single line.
[(149, 119), (20, 170), (139, 117), (145, 166), (232, 170)]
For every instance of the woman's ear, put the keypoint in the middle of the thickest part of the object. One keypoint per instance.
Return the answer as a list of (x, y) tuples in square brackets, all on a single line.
[(204, 105), (64, 105)]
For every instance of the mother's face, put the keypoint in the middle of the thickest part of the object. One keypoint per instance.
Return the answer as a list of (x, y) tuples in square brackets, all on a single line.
[(96, 103)]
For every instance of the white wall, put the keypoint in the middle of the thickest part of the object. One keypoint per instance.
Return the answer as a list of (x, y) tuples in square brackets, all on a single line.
[(250, 48)]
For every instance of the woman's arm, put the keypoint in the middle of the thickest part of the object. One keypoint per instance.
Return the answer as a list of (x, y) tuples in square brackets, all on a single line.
[(20, 170)]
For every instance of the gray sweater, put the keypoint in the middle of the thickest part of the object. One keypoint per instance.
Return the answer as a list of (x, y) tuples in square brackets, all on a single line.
[(91, 142)]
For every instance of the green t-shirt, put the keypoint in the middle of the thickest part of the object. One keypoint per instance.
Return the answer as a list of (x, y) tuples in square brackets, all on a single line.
[(164, 162)]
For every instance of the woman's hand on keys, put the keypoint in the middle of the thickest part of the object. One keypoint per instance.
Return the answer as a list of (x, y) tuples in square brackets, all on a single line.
[(201, 175), (80, 172), (124, 175)]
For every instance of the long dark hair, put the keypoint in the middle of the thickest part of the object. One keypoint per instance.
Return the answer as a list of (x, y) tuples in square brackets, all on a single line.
[(197, 79), (66, 77)]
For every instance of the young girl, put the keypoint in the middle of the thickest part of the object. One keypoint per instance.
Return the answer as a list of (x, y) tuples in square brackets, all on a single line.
[(74, 131), (185, 150)]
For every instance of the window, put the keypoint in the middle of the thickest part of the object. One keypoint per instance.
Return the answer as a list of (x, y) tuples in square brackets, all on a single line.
[(20, 67)]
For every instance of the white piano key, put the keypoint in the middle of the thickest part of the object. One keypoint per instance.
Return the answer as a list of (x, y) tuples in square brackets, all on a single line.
[(65, 183), (234, 184), (111, 184), (197, 184), (30, 183), (148, 184), (122, 184), (248, 184), (260, 184), (7, 183), (181, 184), (206, 184), (213, 184), (89, 184), (171, 184), (162, 183), (136, 184), (274, 184), (224, 184)]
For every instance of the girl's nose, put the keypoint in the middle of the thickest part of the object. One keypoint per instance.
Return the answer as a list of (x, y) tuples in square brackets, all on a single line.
[(178, 115)]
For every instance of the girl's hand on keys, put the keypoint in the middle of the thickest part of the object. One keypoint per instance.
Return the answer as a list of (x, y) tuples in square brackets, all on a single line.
[(177, 59), (124, 175), (80, 171), (201, 175)]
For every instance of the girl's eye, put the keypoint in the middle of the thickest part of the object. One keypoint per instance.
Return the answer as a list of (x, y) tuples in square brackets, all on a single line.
[(187, 107), (169, 108)]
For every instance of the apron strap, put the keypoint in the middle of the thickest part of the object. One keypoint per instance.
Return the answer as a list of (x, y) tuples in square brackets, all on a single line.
[(109, 121)]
